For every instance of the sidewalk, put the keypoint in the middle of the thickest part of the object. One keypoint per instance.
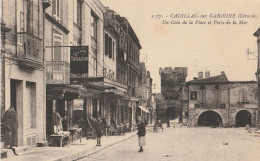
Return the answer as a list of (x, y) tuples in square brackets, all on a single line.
[(70, 152)]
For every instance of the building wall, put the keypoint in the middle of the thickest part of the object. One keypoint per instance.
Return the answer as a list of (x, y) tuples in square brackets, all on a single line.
[(27, 136), (230, 94), (110, 63), (129, 49), (251, 100), (52, 28), (95, 7), (257, 35), (171, 80)]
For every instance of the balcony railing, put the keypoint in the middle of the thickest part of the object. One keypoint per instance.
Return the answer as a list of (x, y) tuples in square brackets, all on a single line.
[(57, 72), (210, 105), (138, 92), (135, 92), (109, 74), (29, 50), (239, 104)]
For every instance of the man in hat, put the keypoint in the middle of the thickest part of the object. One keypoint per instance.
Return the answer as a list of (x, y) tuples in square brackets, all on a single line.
[(98, 124), (11, 127)]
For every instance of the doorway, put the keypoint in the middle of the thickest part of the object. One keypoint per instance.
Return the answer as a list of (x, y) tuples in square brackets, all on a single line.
[(209, 118), (242, 118)]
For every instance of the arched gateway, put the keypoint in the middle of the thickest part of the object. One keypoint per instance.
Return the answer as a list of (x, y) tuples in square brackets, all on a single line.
[(209, 118), (243, 117)]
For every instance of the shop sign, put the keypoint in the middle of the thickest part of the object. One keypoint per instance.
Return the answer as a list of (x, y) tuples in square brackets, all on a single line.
[(79, 58)]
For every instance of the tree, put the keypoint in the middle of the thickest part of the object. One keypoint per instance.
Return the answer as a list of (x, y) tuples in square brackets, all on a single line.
[(161, 107)]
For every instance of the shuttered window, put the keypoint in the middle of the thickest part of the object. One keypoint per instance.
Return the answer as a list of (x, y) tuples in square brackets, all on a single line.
[(57, 51), (110, 47), (106, 44), (217, 96), (56, 6), (242, 96), (76, 12)]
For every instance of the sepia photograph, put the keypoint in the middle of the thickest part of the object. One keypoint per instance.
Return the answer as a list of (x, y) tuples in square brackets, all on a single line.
[(130, 80)]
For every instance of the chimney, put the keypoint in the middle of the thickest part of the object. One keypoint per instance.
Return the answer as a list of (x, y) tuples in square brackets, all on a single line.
[(207, 74), (200, 75), (222, 72)]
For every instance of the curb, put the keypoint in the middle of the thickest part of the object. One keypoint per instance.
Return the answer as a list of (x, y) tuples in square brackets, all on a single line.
[(89, 152)]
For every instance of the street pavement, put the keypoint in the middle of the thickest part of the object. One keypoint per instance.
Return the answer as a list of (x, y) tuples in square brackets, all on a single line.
[(73, 151), (186, 144)]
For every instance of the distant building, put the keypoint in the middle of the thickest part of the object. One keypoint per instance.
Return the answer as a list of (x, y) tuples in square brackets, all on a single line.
[(171, 83), (146, 97), (216, 101), (171, 79)]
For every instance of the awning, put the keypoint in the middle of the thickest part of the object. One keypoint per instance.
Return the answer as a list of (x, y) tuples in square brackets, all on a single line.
[(97, 86), (144, 109), (63, 91)]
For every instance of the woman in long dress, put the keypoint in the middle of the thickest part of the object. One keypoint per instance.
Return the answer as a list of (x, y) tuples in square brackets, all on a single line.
[(141, 133)]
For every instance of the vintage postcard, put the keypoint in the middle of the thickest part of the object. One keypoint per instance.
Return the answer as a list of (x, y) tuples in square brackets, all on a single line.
[(124, 80)]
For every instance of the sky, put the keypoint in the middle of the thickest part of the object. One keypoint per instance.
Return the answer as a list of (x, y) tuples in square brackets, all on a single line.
[(200, 47)]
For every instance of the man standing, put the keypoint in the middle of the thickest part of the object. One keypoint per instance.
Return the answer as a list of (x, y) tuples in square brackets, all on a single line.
[(168, 122), (65, 123), (104, 126), (141, 133), (11, 127), (56, 122), (98, 128)]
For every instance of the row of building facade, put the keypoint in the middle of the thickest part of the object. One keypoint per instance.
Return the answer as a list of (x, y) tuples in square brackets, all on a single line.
[(210, 100), (75, 57), (216, 101)]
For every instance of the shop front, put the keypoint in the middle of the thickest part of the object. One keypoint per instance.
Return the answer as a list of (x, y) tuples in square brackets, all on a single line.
[(59, 104)]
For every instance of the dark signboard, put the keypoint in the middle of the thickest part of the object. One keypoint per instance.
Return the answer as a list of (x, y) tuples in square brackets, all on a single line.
[(79, 60)]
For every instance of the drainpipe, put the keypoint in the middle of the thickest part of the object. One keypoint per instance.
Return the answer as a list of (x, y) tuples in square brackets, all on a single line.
[(44, 75)]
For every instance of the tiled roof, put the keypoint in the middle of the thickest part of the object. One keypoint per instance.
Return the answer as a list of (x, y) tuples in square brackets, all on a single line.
[(216, 79)]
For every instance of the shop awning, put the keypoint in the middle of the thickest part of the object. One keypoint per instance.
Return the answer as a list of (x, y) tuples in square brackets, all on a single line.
[(97, 86), (144, 109), (62, 91)]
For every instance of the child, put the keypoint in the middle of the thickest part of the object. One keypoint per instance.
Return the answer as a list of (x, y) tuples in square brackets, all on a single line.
[(98, 129)]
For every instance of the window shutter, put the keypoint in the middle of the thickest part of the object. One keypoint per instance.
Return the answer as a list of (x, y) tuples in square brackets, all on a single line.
[(60, 10), (53, 7), (240, 96), (245, 97), (204, 96), (79, 12), (110, 47), (106, 44), (113, 55)]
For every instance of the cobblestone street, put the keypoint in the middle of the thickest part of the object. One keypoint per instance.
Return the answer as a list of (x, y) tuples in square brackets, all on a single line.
[(186, 144)]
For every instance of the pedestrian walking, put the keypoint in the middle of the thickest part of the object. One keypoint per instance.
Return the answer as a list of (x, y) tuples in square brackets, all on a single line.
[(168, 123), (99, 129), (104, 126), (11, 127), (141, 133)]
